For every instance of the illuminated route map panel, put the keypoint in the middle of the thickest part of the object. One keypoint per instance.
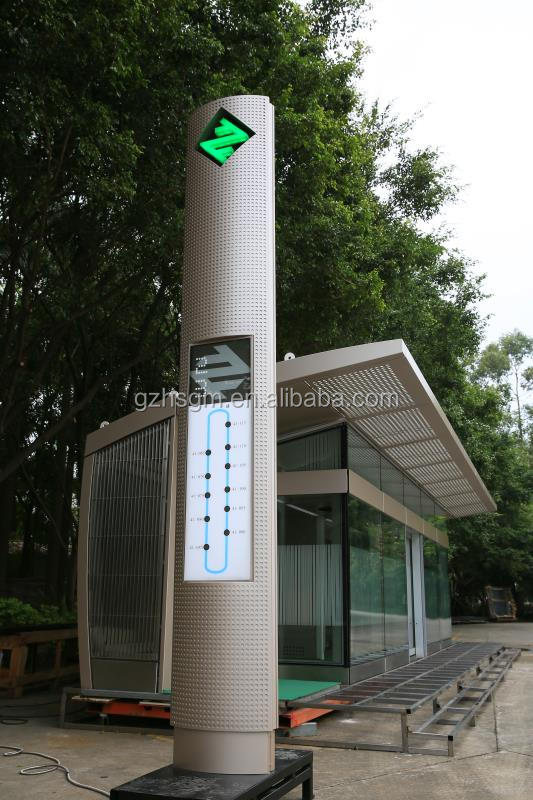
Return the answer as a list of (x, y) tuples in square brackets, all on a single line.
[(218, 534)]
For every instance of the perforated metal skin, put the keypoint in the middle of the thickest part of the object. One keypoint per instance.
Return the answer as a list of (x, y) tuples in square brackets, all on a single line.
[(224, 697), (413, 432)]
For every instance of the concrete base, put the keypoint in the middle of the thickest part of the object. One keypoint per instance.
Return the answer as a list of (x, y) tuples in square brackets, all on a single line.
[(292, 768), (494, 760)]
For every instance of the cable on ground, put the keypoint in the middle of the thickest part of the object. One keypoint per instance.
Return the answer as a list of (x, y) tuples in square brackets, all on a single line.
[(43, 769)]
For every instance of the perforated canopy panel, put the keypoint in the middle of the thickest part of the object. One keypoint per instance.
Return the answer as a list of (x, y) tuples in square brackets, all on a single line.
[(385, 396)]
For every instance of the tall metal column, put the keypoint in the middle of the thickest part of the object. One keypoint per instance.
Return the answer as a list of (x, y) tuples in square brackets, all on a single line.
[(224, 697)]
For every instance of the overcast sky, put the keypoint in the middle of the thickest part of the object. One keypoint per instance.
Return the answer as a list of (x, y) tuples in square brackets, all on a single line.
[(468, 66)]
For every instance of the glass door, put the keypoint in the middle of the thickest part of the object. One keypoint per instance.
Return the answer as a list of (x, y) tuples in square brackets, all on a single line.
[(415, 607), (410, 593)]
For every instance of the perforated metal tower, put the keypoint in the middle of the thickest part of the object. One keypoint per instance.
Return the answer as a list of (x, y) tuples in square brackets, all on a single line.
[(224, 700)]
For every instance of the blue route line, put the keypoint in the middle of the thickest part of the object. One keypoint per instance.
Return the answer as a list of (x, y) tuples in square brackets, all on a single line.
[(226, 503)]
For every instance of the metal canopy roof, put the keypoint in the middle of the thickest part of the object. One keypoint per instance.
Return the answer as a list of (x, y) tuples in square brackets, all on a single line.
[(413, 431)]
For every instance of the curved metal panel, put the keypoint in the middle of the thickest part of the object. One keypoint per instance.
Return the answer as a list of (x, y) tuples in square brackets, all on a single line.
[(225, 634)]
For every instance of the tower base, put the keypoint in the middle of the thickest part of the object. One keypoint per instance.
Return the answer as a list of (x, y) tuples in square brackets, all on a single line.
[(293, 767)]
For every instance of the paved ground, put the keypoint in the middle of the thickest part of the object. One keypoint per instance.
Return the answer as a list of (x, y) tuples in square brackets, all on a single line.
[(494, 760), (511, 634)]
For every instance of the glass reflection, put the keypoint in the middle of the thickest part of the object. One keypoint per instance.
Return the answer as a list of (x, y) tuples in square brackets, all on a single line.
[(431, 590), (394, 585), (320, 450), (367, 632), (310, 586)]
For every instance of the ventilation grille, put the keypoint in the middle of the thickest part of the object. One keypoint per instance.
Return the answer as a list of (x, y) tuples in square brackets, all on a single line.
[(127, 544), (379, 402), (354, 387), (397, 427)]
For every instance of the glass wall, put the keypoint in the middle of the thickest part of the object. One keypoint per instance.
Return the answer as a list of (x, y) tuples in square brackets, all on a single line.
[(439, 520), (394, 585), (320, 450), (366, 461), (324, 450), (427, 507), (432, 590), (367, 625), (320, 561), (444, 595), (363, 458), (391, 480), (378, 583), (412, 496), (310, 578)]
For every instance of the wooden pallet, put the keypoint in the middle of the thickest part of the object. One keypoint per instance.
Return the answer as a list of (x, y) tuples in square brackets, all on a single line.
[(14, 678)]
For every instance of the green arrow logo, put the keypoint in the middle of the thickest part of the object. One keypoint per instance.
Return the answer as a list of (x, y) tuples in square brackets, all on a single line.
[(222, 137)]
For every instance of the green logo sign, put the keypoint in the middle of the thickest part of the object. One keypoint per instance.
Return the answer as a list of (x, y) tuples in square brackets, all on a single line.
[(223, 136)]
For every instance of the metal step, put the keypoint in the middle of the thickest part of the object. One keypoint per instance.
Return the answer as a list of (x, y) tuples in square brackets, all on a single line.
[(489, 677)]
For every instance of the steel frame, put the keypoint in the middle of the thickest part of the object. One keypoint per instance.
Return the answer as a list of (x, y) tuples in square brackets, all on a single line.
[(493, 674), (407, 689)]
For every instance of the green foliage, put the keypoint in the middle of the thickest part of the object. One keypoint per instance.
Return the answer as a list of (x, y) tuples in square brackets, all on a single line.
[(493, 549), (14, 613), (95, 98), (517, 347), (91, 197), (493, 364), (527, 379), (419, 185), (505, 359)]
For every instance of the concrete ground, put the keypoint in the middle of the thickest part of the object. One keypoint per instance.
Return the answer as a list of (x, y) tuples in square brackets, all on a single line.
[(511, 634), (494, 760)]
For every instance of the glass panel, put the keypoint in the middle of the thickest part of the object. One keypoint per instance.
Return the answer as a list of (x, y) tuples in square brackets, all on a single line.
[(363, 459), (310, 586), (394, 585), (391, 480), (427, 506), (444, 595), (411, 496), (366, 582), (431, 589), (320, 450), (440, 518), (410, 578)]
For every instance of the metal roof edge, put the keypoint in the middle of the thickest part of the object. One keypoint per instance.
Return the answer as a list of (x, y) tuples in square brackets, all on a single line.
[(332, 362)]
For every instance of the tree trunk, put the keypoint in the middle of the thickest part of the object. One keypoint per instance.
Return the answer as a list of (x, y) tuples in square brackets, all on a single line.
[(67, 533), (519, 409), (7, 524), (26, 561)]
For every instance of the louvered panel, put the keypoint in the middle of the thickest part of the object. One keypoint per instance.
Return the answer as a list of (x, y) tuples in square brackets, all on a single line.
[(126, 545), (418, 454), (353, 387), (397, 427), (451, 488), (448, 470)]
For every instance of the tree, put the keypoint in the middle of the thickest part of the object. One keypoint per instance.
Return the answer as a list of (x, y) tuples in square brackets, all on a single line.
[(504, 359), (95, 99), (493, 548)]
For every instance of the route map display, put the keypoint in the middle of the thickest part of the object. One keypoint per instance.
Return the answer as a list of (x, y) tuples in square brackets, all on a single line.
[(218, 525)]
